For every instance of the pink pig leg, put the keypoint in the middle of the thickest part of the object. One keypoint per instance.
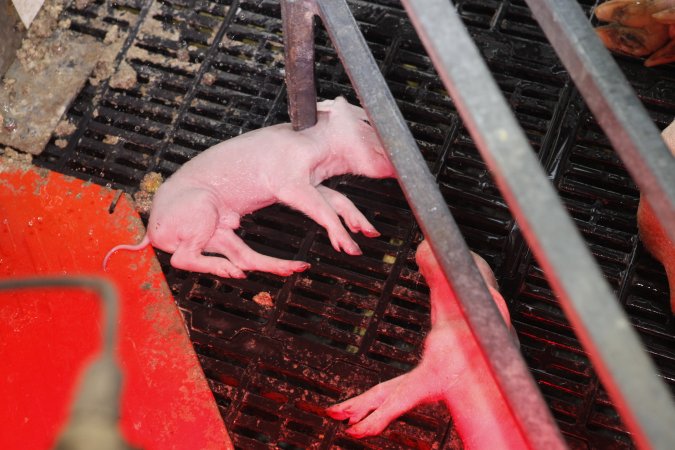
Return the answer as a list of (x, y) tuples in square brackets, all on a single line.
[(226, 242), (435, 378), (356, 408), (371, 412), (188, 256), (196, 224), (354, 219), (307, 199), (452, 369)]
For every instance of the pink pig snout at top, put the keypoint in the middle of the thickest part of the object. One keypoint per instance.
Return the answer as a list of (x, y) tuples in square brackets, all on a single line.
[(198, 208)]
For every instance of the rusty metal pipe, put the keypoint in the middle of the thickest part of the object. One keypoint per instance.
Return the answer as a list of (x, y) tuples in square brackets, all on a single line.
[(298, 26)]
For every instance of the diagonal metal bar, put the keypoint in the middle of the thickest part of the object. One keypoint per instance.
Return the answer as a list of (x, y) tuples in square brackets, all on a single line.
[(613, 103), (506, 362), (625, 369), (298, 23)]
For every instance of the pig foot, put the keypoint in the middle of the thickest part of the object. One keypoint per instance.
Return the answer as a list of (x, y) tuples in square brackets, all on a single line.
[(226, 242), (354, 219), (188, 256), (371, 412), (308, 199)]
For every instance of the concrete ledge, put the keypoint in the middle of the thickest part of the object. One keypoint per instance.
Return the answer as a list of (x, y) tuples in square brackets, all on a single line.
[(12, 33)]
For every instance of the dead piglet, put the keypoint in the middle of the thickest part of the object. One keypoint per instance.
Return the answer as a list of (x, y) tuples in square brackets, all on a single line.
[(198, 208), (652, 233), (452, 369)]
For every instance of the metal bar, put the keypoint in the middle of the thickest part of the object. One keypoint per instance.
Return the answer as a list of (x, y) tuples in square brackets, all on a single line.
[(506, 362), (104, 288), (298, 28), (613, 103), (625, 369)]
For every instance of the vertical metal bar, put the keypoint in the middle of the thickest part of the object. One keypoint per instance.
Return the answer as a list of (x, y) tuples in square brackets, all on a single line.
[(298, 27), (613, 103), (504, 359), (625, 369)]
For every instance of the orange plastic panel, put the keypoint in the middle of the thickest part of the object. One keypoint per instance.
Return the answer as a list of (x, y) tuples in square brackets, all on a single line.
[(52, 225)]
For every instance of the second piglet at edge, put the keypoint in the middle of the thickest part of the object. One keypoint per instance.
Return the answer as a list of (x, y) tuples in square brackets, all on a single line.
[(198, 208), (452, 369)]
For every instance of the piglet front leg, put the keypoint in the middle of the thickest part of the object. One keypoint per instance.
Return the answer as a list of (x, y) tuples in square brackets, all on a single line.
[(452, 369), (344, 207), (309, 200)]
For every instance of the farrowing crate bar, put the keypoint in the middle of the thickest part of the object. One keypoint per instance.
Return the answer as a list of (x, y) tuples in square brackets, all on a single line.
[(627, 372)]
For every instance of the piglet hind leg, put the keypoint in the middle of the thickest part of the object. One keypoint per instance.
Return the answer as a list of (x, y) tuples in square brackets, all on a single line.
[(190, 239), (226, 242), (188, 256)]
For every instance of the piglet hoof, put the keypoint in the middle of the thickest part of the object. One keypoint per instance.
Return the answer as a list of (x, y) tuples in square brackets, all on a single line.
[(238, 274), (348, 246), (354, 250), (352, 410), (345, 244), (228, 270), (302, 266), (292, 267), (371, 233), (363, 422), (371, 412)]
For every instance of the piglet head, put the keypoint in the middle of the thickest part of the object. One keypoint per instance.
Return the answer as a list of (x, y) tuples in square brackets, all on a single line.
[(351, 135)]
